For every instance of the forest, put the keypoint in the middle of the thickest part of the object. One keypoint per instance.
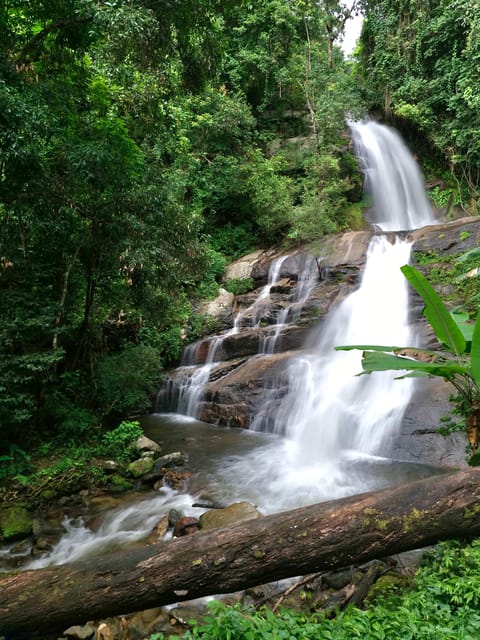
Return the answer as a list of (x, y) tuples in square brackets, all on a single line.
[(146, 144)]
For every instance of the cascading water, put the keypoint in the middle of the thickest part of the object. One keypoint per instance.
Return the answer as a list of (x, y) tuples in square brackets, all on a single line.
[(335, 425), (328, 411), (186, 393), (392, 178), (307, 280)]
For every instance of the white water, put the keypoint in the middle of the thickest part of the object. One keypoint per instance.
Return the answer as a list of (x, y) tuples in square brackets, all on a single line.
[(392, 177), (191, 388), (330, 412), (337, 428)]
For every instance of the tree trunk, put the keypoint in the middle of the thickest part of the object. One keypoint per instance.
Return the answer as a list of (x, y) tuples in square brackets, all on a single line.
[(310, 539)]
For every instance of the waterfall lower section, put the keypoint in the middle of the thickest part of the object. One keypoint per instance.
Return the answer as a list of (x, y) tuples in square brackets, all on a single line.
[(269, 321), (329, 410)]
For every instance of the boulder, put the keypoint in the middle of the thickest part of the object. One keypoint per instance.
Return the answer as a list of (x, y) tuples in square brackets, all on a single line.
[(140, 467), (185, 526), (16, 522), (144, 444), (78, 632), (159, 530), (236, 512)]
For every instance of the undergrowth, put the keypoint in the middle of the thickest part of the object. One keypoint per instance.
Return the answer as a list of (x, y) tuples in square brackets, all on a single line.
[(442, 604)]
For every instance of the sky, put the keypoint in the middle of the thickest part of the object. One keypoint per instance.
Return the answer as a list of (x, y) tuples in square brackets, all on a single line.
[(352, 31)]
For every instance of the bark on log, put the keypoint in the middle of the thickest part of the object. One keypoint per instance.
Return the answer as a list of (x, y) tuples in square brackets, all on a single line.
[(315, 538)]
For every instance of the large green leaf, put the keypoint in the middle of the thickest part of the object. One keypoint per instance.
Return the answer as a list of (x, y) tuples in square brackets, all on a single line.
[(475, 353), (378, 361), (463, 322), (365, 347), (436, 312)]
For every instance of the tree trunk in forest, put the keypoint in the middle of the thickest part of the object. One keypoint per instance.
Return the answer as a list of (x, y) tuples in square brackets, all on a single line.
[(324, 536)]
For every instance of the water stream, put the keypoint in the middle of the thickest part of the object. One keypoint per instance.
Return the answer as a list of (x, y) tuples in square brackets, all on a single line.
[(331, 434)]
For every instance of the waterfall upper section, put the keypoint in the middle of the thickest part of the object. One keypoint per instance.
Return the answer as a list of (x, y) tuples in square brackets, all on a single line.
[(392, 178)]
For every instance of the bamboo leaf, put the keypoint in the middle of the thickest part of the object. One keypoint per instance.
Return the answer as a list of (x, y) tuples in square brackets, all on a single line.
[(436, 312)]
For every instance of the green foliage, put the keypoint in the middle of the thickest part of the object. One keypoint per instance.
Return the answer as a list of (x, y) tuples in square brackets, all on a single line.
[(14, 463), (134, 159), (116, 443), (125, 379), (238, 286), (234, 241), (441, 604)]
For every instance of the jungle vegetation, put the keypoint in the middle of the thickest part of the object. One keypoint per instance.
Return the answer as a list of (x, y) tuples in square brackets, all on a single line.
[(143, 145)]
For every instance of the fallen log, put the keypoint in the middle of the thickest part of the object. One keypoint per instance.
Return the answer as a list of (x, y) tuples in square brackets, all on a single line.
[(323, 536)]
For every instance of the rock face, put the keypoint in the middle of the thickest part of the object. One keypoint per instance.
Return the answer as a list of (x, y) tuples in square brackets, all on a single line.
[(233, 373)]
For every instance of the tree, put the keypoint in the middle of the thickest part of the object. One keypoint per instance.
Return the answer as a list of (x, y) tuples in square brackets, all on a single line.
[(318, 537), (418, 62)]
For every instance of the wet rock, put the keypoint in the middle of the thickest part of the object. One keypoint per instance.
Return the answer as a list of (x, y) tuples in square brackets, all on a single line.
[(140, 467), (21, 548), (50, 525), (15, 523), (144, 444), (176, 479), (216, 518), (80, 632), (139, 626), (159, 468), (43, 544), (339, 579), (185, 526), (242, 268), (219, 308), (174, 516), (110, 466), (159, 530), (105, 632), (118, 484)]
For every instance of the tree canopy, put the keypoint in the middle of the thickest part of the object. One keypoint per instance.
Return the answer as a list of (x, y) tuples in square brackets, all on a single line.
[(142, 144)]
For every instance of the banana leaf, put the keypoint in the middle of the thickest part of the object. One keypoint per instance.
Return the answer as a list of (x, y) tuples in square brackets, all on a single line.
[(463, 322), (379, 361), (414, 353), (439, 317), (365, 347), (475, 353)]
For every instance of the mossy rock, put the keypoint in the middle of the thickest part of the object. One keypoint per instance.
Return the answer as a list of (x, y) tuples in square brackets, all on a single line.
[(15, 523), (140, 467), (118, 483), (388, 583), (236, 512)]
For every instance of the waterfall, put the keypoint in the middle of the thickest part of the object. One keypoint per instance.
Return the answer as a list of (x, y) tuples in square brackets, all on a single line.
[(336, 427), (392, 178), (329, 411), (185, 395)]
